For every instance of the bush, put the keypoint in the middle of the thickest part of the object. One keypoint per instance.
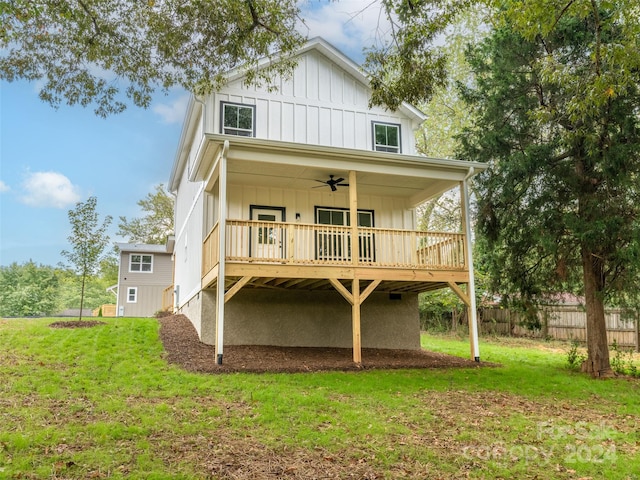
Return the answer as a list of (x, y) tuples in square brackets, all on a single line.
[(575, 358)]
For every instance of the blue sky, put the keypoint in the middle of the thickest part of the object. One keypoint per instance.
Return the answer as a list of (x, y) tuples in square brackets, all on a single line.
[(51, 159)]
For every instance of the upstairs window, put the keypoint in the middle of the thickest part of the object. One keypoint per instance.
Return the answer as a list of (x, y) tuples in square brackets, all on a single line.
[(386, 137), (141, 263), (238, 119)]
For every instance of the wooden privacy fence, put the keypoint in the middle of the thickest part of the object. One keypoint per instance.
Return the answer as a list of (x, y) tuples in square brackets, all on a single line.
[(108, 310), (562, 323), (167, 299)]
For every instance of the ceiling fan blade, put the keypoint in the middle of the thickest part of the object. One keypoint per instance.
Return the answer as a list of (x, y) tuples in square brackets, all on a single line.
[(333, 188), (320, 181), (343, 184), (339, 180)]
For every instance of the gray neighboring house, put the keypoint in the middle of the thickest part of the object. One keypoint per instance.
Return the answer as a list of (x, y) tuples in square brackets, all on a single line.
[(145, 272)]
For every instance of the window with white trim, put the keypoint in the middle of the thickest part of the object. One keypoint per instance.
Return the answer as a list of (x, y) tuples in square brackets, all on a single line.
[(386, 137), (238, 119), (132, 295), (140, 263)]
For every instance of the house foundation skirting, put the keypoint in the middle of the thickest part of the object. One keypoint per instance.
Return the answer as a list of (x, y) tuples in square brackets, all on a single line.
[(310, 319)]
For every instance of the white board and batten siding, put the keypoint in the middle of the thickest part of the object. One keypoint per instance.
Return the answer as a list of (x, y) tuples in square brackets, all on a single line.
[(189, 228), (321, 104), (386, 210)]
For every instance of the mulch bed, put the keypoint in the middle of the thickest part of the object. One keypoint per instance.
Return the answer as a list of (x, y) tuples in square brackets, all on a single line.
[(76, 324), (183, 348)]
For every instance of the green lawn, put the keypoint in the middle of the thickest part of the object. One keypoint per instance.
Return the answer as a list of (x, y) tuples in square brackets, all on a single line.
[(102, 403)]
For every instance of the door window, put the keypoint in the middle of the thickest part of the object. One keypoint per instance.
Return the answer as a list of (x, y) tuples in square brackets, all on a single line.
[(335, 244), (267, 241)]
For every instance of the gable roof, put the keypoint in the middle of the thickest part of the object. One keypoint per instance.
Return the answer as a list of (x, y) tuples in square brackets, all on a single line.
[(148, 248), (320, 45)]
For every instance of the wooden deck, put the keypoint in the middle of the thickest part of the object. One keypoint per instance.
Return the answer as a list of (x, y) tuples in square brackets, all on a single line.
[(315, 257)]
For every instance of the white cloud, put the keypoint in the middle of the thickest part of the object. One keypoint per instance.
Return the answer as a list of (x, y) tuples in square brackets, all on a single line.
[(49, 189), (4, 187), (350, 25), (174, 111)]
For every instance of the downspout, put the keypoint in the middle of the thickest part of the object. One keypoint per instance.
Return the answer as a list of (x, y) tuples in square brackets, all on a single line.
[(472, 283), (222, 248)]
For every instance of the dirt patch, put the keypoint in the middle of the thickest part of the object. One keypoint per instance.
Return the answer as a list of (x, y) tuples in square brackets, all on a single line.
[(76, 324), (183, 348)]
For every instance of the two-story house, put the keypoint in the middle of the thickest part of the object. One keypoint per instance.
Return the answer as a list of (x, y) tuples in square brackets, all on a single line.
[(295, 214)]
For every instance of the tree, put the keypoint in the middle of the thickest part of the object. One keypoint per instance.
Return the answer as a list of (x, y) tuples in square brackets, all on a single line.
[(446, 112), (556, 92), (28, 290), (81, 52), (557, 119), (154, 227), (95, 291), (88, 240)]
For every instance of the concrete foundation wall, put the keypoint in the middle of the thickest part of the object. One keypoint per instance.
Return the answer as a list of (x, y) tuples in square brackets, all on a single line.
[(201, 311), (192, 310), (319, 319), (307, 319)]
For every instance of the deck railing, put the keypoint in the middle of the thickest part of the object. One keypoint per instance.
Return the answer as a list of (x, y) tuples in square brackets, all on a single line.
[(210, 251), (312, 244)]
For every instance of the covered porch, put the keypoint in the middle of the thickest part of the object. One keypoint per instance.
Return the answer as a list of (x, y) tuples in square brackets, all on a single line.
[(241, 253)]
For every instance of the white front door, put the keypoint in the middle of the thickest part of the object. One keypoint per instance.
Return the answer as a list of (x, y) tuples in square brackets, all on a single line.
[(267, 240)]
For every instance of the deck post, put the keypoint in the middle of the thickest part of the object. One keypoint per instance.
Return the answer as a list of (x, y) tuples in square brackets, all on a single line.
[(355, 254), (355, 321), (222, 249), (471, 289)]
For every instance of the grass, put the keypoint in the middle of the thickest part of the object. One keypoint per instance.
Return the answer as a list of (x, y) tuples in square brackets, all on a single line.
[(102, 403)]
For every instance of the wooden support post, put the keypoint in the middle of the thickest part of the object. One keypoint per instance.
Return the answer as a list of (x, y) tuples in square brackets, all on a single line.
[(355, 321), (353, 217), (355, 258)]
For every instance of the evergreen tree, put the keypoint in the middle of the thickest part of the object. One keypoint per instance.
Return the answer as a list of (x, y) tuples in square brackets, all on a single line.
[(559, 209)]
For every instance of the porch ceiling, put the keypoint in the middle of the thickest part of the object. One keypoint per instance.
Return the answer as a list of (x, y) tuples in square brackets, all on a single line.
[(301, 177), (252, 161)]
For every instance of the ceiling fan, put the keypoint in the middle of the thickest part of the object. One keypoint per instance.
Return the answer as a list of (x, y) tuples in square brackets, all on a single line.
[(333, 183)]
